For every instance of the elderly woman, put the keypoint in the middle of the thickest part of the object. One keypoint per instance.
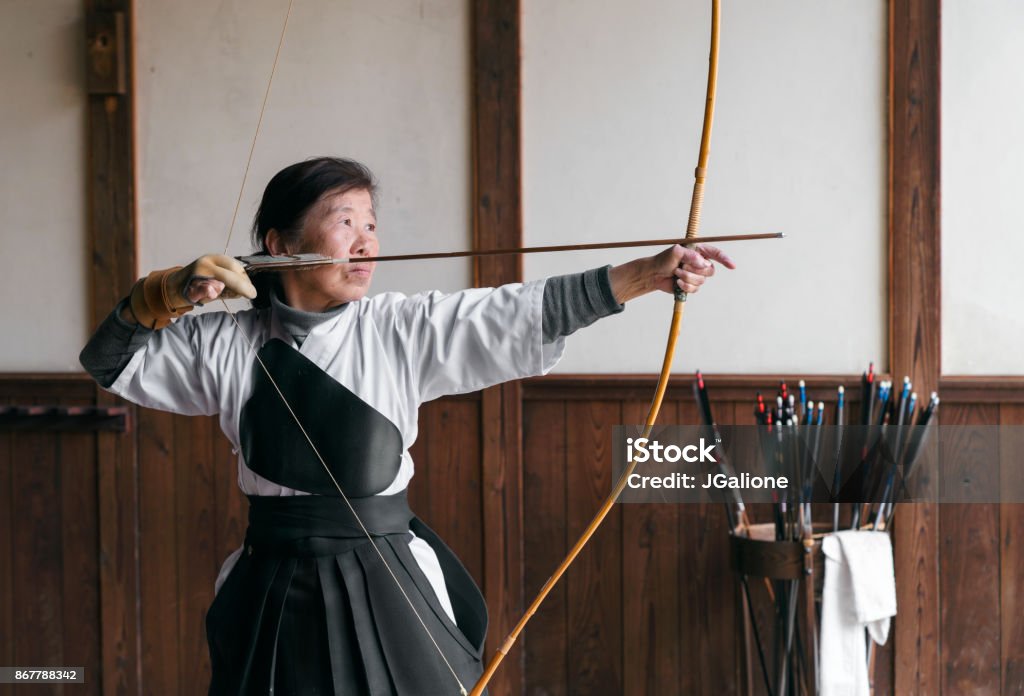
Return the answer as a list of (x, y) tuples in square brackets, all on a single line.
[(339, 588)]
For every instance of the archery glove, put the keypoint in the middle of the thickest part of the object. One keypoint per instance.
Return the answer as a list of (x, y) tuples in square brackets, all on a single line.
[(168, 294)]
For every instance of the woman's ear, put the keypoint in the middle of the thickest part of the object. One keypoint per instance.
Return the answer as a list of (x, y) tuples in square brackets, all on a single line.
[(274, 244)]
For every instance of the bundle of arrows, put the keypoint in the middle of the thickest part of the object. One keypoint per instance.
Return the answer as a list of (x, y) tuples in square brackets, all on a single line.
[(865, 464), (862, 460)]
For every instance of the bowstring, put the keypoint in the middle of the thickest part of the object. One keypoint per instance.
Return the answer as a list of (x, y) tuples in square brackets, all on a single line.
[(273, 382), (259, 125)]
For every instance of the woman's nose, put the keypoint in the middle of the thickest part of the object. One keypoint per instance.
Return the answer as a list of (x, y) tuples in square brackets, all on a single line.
[(363, 245), (360, 246)]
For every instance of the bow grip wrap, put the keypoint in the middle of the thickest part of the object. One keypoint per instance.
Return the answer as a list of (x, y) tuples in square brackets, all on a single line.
[(693, 226)]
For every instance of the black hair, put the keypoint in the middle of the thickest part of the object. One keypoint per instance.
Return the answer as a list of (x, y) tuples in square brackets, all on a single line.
[(289, 196)]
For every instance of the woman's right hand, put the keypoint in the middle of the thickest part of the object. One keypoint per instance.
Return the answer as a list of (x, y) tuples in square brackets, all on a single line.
[(164, 295), (210, 277)]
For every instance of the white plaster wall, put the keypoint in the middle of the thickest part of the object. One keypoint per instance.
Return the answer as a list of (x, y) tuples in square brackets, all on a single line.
[(43, 271), (613, 96), (982, 187), (385, 82)]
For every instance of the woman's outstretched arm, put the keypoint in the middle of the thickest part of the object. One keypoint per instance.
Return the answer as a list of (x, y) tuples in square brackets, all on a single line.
[(572, 302), (684, 267)]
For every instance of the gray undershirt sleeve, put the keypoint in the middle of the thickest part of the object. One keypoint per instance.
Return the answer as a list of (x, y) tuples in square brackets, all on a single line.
[(112, 346), (574, 301)]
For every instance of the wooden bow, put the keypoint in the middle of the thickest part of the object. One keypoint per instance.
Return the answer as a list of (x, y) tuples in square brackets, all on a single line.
[(692, 230)]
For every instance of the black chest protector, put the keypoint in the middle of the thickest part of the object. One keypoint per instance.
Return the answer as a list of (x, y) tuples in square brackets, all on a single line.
[(362, 448)]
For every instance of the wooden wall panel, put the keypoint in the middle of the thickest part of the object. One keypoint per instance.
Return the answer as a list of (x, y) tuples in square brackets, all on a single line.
[(1011, 554), (711, 651), (49, 539), (678, 628), (39, 625), (594, 582), (652, 657), (77, 472), (198, 560), (232, 508), (983, 572), (651, 608), (982, 642), (192, 516), (546, 542), (969, 584), (446, 491), (159, 537)]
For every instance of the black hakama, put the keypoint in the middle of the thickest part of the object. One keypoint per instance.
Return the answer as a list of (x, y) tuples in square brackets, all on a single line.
[(310, 608)]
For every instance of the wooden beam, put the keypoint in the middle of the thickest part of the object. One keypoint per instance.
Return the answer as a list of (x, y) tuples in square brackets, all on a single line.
[(721, 387), (111, 174), (106, 68), (111, 197), (497, 220), (914, 319), (1007, 389), (497, 223)]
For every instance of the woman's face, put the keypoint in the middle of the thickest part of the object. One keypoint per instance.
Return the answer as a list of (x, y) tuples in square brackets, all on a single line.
[(339, 225)]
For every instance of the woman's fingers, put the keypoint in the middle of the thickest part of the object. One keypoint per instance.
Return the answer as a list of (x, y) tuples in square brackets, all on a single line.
[(707, 270), (707, 251), (677, 266), (689, 281), (215, 275), (203, 290), (695, 265), (228, 262), (236, 281)]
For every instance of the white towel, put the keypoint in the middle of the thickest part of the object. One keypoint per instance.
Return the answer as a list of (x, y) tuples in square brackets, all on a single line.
[(860, 593)]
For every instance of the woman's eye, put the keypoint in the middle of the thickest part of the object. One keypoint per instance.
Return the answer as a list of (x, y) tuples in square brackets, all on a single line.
[(347, 222), (371, 228)]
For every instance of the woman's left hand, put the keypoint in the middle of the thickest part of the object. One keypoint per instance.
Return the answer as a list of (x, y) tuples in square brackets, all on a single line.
[(691, 266), (684, 267)]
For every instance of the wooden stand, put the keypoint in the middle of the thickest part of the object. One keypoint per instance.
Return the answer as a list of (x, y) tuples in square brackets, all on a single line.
[(782, 583)]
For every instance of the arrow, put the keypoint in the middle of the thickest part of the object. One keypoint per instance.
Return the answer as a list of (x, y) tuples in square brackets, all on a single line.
[(264, 262)]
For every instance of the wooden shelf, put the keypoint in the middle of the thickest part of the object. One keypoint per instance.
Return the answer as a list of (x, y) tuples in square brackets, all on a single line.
[(65, 418)]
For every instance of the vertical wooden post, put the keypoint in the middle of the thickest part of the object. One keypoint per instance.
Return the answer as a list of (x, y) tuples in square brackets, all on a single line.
[(111, 197), (914, 318), (497, 222)]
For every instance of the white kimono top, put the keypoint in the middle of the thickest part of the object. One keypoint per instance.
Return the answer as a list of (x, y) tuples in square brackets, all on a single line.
[(392, 351)]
